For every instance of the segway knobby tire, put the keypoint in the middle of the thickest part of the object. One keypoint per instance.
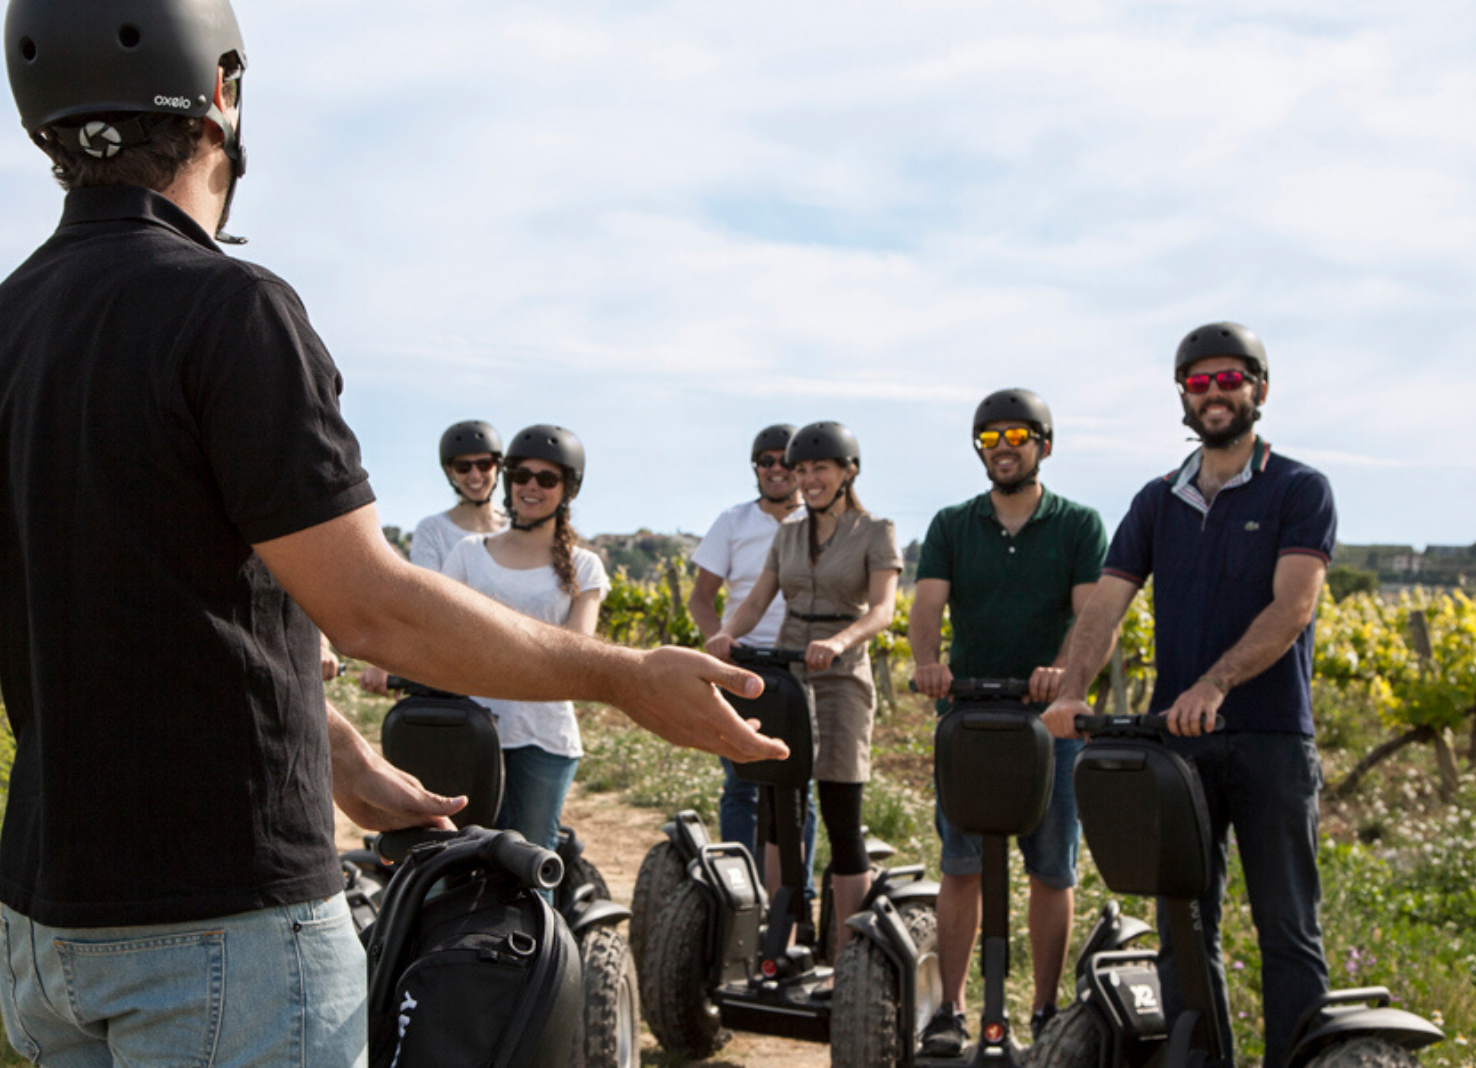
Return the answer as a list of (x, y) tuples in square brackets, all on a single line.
[(864, 1024), (582, 873), (1364, 1053), (611, 1024), (662, 871), (674, 976), (1070, 1040)]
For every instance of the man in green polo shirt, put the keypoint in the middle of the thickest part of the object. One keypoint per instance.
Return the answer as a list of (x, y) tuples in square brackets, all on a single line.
[(1013, 566)]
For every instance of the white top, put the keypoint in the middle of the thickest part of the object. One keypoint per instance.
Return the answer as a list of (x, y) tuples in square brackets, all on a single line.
[(735, 550), (535, 592), (435, 536)]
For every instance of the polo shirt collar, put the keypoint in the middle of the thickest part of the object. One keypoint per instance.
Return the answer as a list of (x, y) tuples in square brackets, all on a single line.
[(1048, 506), (1184, 485), (117, 203)]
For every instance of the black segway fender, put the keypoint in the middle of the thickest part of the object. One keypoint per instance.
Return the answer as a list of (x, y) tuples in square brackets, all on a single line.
[(882, 924), (925, 890), (688, 834), (598, 913), (1341, 1015)]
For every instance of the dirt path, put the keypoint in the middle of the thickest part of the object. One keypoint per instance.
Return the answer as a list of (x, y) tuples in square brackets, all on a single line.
[(616, 837)]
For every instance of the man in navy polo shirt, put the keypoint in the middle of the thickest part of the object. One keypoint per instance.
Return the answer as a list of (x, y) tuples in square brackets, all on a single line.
[(1237, 541)]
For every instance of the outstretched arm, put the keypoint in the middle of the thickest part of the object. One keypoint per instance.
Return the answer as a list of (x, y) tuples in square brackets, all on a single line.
[(376, 606)]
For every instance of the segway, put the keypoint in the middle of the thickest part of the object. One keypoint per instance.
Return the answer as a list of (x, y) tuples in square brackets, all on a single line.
[(450, 743), (1144, 816), (718, 953), (996, 764)]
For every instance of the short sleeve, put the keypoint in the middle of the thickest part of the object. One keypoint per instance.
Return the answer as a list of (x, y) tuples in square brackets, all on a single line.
[(771, 562), (589, 572), (266, 401), (1091, 549), (936, 559), (881, 549), (714, 554), (456, 564), (1130, 556), (1309, 521), (427, 548)]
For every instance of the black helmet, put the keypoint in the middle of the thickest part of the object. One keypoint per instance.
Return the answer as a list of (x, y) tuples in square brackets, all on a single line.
[(1222, 339), (72, 58), (468, 437), (771, 437), (824, 441), (1016, 405), (551, 443)]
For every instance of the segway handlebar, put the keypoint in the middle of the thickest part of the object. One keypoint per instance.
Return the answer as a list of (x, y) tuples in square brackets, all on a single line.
[(1141, 723), (754, 656), (1002, 689), (531, 865), (416, 689)]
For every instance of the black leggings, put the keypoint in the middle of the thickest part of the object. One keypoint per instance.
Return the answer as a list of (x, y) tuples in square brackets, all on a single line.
[(840, 808)]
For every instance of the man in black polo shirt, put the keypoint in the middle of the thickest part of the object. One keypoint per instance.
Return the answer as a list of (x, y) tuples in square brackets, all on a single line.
[(1012, 566), (1237, 540), (180, 502)]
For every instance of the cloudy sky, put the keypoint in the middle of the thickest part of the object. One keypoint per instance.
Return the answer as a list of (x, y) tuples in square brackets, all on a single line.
[(665, 225)]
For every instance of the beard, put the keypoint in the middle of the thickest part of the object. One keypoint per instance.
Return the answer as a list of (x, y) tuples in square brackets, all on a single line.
[(1016, 482), (1241, 420)]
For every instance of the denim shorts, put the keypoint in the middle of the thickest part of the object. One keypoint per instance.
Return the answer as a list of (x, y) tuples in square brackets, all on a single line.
[(1050, 850), (280, 987)]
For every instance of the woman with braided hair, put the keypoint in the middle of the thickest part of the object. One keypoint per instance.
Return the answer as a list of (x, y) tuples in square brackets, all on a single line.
[(535, 567)]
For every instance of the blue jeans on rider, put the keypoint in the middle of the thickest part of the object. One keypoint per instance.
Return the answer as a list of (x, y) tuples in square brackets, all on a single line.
[(1050, 850), (1264, 787), (738, 819), (280, 987), (535, 783)]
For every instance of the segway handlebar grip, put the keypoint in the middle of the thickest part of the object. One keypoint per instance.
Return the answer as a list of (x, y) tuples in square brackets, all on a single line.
[(413, 688), (751, 656), (1155, 722), (984, 688), (530, 864)]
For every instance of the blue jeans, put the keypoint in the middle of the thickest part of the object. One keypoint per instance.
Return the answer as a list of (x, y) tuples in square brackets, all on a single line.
[(278, 988), (1050, 850), (1265, 787), (738, 819), (535, 784)]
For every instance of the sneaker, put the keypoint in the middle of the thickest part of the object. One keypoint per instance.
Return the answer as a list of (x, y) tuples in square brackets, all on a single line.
[(945, 1034), (1039, 1018)]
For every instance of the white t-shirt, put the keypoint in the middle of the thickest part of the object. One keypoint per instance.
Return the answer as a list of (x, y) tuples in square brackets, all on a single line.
[(735, 550), (535, 592), (435, 537)]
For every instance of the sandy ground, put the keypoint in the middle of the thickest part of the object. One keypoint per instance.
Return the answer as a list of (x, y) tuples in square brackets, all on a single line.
[(616, 838)]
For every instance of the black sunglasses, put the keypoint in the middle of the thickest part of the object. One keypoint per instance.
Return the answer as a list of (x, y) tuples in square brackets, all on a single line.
[(767, 462), (462, 467), (521, 476)]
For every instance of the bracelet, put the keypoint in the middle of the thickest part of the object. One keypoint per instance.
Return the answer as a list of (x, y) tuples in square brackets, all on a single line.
[(1217, 682)]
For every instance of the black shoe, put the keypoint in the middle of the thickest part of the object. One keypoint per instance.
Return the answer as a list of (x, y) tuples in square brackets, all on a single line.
[(1039, 1018), (945, 1034)]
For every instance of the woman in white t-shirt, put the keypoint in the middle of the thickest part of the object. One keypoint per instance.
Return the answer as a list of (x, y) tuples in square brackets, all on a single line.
[(535, 567), (471, 453)]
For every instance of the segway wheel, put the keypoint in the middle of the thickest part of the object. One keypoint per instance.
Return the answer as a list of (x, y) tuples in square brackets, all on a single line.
[(1364, 1053), (1070, 1040), (661, 873), (865, 1026), (675, 973), (612, 1004), (582, 873)]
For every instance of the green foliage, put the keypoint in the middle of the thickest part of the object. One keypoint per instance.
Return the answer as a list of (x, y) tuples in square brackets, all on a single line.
[(645, 613), (1343, 580)]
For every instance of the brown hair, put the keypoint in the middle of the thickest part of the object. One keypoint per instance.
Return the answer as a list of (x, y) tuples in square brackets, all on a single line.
[(154, 164), (563, 552)]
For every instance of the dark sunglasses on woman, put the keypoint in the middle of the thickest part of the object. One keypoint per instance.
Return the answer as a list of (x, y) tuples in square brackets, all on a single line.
[(521, 476), (462, 467)]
